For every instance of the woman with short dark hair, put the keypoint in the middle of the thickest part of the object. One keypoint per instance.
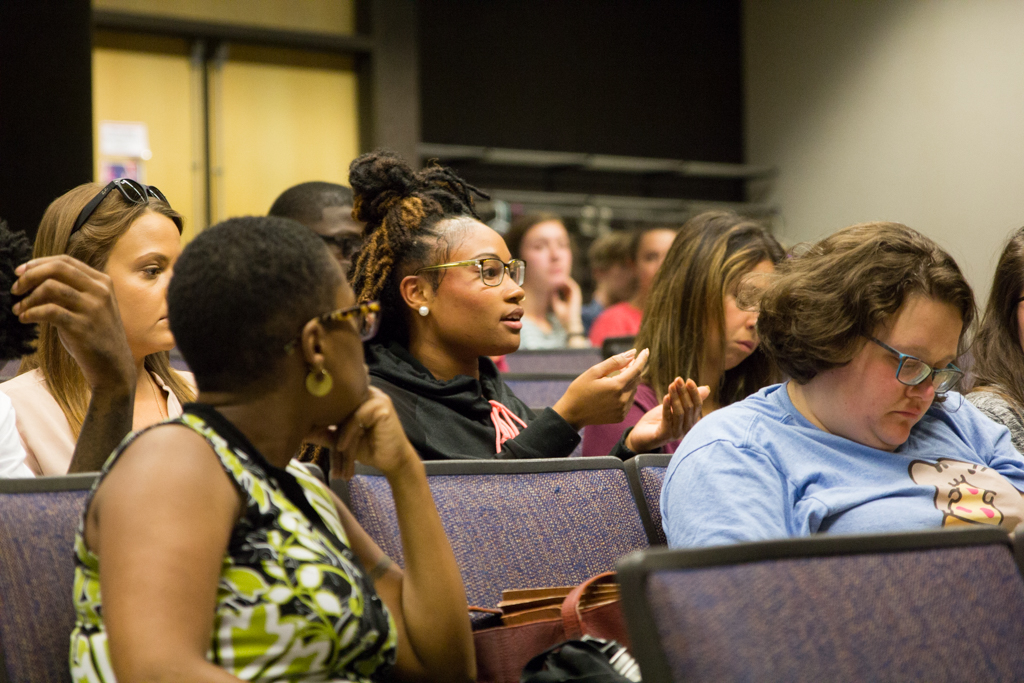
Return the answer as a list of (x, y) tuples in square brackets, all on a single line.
[(206, 554), (868, 435)]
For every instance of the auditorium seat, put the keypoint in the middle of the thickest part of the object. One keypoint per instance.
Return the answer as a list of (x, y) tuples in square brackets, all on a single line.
[(38, 520), (554, 361), (934, 606), (538, 391), (514, 523), (646, 473)]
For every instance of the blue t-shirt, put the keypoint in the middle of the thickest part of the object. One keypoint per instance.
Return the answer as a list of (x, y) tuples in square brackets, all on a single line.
[(759, 470)]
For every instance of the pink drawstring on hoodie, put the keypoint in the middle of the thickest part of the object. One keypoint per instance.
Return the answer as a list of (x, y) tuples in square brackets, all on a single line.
[(504, 427)]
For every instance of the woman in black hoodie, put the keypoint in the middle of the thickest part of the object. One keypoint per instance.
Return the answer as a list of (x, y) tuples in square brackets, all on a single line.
[(450, 296)]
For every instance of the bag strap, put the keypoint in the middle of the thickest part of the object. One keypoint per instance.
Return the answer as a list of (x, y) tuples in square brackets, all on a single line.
[(572, 621)]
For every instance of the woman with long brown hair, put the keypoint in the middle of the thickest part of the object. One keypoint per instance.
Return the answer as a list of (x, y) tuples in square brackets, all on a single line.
[(998, 369), (127, 234), (695, 329)]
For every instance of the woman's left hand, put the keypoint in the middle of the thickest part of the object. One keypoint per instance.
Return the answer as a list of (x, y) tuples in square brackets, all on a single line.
[(670, 421)]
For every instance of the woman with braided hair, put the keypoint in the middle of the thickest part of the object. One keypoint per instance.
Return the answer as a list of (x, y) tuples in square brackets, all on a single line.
[(450, 296)]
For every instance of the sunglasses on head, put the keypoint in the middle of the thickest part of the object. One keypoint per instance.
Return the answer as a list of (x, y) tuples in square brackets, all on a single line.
[(132, 191)]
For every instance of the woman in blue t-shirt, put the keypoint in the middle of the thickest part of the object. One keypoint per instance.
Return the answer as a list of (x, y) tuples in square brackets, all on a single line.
[(867, 436)]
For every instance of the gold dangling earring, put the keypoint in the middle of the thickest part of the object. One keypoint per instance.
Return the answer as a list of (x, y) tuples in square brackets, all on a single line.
[(319, 383)]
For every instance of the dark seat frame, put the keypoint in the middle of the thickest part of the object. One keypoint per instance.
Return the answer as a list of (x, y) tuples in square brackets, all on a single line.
[(633, 467), (634, 569)]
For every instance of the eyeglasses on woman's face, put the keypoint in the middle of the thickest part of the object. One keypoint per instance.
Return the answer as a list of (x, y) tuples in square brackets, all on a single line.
[(364, 318), (912, 371), (492, 270), (132, 191)]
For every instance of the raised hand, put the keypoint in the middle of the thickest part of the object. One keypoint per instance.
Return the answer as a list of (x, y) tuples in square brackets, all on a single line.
[(680, 409), (79, 302)]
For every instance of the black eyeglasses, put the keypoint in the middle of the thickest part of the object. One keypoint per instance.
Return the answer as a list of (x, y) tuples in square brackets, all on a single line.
[(492, 270), (133, 192), (913, 371), (364, 317)]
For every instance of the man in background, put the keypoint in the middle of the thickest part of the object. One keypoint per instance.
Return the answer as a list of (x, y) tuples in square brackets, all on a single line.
[(326, 209)]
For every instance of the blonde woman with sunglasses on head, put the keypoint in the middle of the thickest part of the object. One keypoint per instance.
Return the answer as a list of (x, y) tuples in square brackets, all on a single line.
[(103, 257)]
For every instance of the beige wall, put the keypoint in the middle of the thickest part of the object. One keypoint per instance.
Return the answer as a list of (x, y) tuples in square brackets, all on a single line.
[(901, 110), (278, 123), (154, 88)]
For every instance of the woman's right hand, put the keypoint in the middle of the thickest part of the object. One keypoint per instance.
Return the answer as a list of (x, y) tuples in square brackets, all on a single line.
[(373, 435), (680, 409), (79, 302), (604, 393)]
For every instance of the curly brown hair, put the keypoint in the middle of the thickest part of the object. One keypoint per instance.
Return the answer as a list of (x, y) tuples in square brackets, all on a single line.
[(998, 358), (824, 301)]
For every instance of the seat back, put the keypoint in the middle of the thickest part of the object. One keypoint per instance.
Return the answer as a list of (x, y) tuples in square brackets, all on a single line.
[(928, 606), (38, 520), (538, 390), (553, 361), (646, 474), (514, 523)]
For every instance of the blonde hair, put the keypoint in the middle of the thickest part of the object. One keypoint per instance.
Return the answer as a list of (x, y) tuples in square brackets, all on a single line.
[(91, 244)]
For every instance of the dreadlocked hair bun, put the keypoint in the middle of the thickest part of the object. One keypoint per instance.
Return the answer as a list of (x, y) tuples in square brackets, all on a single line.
[(16, 337), (400, 208)]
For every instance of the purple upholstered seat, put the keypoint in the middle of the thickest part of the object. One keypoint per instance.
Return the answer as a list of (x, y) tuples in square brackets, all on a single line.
[(928, 606), (38, 519), (515, 524)]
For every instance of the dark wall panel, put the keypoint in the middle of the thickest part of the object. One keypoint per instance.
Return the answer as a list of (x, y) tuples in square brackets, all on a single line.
[(658, 79), (45, 105)]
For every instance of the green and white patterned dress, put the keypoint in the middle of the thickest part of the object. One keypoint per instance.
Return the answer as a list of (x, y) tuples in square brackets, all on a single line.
[(293, 602)]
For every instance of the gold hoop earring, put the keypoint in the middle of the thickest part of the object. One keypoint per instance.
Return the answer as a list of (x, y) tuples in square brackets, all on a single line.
[(319, 383)]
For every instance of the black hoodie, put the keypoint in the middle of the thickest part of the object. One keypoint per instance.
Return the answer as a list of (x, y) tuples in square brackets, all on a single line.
[(452, 420)]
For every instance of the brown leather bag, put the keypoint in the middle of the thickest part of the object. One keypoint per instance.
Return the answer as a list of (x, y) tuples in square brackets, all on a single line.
[(503, 651)]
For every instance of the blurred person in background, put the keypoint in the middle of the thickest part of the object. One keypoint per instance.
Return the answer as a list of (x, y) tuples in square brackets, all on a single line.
[(650, 245), (553, 304), (326, 209), (704, 345), (106, 253), (611, 267)]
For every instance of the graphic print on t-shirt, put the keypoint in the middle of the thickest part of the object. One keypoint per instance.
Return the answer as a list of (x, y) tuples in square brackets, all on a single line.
[(968, 493)]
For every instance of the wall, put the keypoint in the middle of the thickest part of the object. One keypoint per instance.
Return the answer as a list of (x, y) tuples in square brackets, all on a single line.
[(656, 79), (900, 110), (45, 106)]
